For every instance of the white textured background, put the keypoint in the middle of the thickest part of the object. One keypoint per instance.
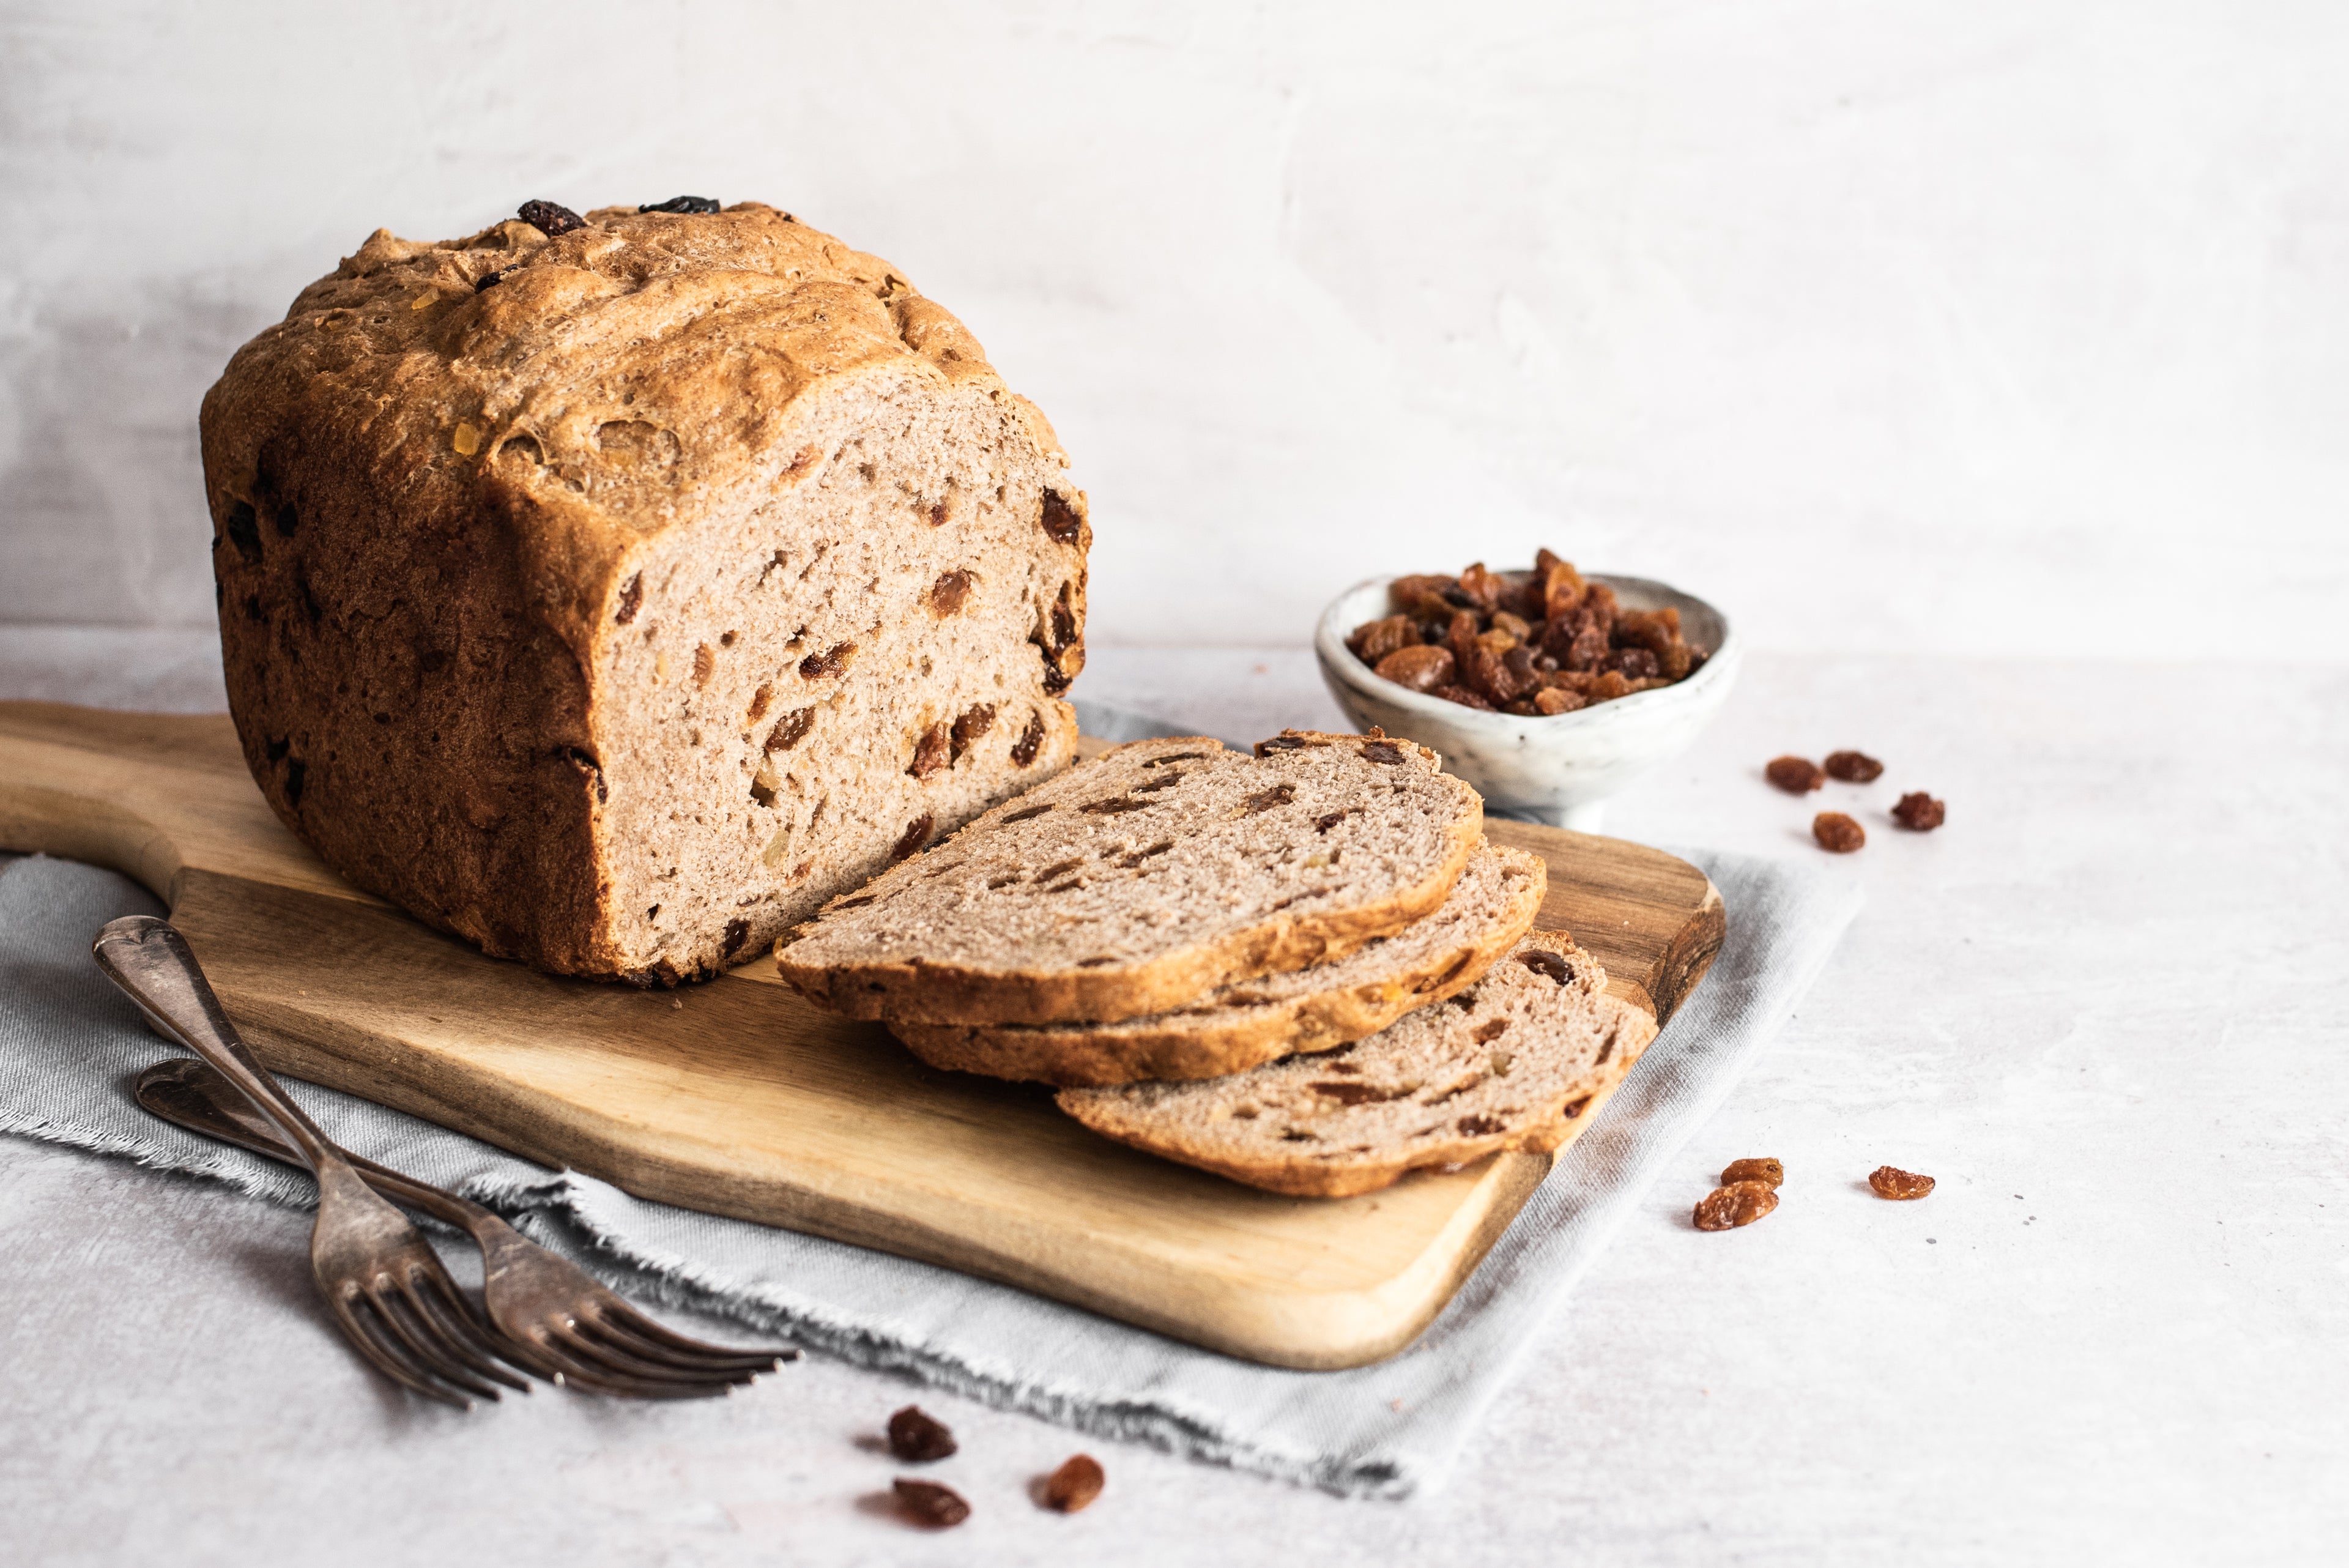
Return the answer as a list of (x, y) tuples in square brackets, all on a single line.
[(1996, 328)]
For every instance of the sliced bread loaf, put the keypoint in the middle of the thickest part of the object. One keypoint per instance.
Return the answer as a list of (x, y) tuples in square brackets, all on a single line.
[(1251, 1022), (1507, 1063), (1145, 877)]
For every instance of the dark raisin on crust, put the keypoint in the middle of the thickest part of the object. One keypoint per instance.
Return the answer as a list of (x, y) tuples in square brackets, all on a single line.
[(550, 218), (1279, 743), (1543, 962), (1030, 741), (1385, 751), (737, 933), (632, 595), (856, 903), (245, 530), (1028, 813), (919, 1438), (275, 749), (1480, 1126), (286, 519), (490, 279), (296, 774), (917, 834), (928, 1503), (1172, 757), (682, 205), (1059, 520), (1117, 808)]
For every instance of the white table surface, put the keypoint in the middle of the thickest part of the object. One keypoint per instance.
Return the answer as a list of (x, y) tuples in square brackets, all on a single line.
[(2106, 1007)]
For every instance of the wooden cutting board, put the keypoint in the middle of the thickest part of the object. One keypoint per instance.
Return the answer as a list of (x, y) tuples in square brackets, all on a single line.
[(745, 1101)]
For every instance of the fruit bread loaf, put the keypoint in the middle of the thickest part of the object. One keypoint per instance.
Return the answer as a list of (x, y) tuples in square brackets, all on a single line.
[(1510, 1063), (1145, 877), (614, 592), (1251, 1022)]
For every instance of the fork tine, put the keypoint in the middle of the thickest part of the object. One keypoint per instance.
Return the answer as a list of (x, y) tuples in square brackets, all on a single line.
[(602, 1360), (451, 1324), (589, 1379), (621, 1317), (616, 1351), (417, 1339), (384, 1357)]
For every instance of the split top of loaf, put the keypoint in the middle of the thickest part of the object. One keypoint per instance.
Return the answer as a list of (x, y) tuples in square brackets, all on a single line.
[(1146, 877)]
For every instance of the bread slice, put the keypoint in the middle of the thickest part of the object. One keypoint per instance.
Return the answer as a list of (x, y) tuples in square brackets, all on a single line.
[(613, 593), (1141, 879), (1507, 1063), (1251, 1022)]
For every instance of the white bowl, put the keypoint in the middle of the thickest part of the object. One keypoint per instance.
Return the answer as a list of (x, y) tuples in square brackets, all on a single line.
[(1561, 769)]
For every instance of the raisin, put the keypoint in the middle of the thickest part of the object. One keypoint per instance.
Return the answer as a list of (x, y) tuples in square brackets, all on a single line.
[(1419, 668), (1543, 962), (1383, 752), (632, 593), (1374, 639), (296, 774), (1552, 701), (1519, 662), (1733, 1204), (1483, 588), (1514, 625), (287, 520), (933, 751), (1837, 833), (1119, 807), (275, 749), (1796, 775), (245, 530), (1890, 1182), (1920, 812), (1076, 1483), (917, 834), (791, 730), (1769, 1172), (682, 205), (1854, 767), (1586, 650), (1028, 813), (948, 592), (1324, 823), (549, 219), (974, 725), (928, 1503), (705, 664), (758, 700), (829, 662), (1480, 1126), (1030, 741), (1489, 674), (1607, 687), (1654, 630), (1283, 743), (856, 903), (1265, 800), (919, 1438), (737, 933), (492, 279), (1562, 587), (1462, 695), (1635, 663), (1487, 1033), (1059, 520)]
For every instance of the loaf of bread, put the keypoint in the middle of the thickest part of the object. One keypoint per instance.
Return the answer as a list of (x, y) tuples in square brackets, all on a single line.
[(1251, 1022), (614, 592), (1512, 1061), (1146, 877)]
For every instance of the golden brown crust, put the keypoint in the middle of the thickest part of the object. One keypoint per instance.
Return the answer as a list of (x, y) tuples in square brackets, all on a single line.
[(1207, 1042), (433, 501)]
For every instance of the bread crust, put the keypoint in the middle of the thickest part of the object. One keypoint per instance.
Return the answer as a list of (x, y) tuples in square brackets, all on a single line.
[(921, 991), (1220, 1033), (440, 486)]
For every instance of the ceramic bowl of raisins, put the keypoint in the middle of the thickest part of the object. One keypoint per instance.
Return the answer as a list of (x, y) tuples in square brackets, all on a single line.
[(1546, 690)]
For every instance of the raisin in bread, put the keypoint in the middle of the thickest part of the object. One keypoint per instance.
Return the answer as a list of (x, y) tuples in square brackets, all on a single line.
[(613, 598), (1145, 879), (1251, 1022), (1510, 1063)]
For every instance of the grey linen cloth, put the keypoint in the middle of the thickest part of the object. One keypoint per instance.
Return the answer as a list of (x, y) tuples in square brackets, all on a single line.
[(70, 1046)]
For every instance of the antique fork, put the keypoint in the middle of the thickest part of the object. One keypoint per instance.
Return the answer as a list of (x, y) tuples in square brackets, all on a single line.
[(384, 1285), (562, 1323)]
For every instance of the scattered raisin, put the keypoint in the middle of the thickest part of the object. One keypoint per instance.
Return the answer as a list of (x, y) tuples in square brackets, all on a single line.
[(917, 834), (1117, 807), (1265, 800), (973, 725), (682, 205), (831, 661), (1920, 812), (1769, 1172), (919, 1438), (1419, 668), (1543, 962), (245, 530), (1852, 767), (1077, 1482), (1894, 1183), (1059, 519), (1385, 751), (948, 592), (492, 279), (296, 773), (1796, 775), (1733, 1204), (632, 593), (928, 1503), (1030, 741), (1279, 743), (550, 219), (1027, 814), (1837, 833), (791, 730), (933, 751)]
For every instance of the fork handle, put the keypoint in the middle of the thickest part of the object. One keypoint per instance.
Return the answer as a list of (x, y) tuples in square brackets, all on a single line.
[(150, 960)]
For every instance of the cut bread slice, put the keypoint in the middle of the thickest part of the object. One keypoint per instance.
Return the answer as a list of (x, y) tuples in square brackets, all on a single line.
[(1251, 1022), (1509, 1062), (1141, 879)]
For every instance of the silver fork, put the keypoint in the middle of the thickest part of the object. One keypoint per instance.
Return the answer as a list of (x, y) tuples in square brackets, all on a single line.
[(559, 1321), (384, 1285)]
